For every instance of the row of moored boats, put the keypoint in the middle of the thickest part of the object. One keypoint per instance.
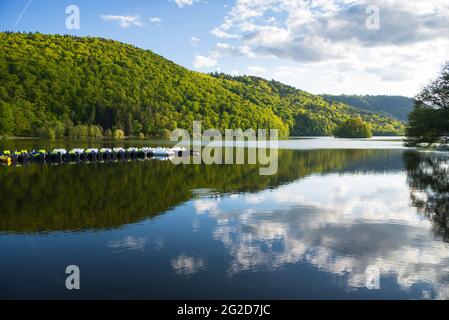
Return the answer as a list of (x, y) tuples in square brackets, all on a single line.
[(89, 155)]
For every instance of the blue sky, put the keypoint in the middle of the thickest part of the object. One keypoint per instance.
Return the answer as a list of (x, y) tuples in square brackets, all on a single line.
[(333, 46)]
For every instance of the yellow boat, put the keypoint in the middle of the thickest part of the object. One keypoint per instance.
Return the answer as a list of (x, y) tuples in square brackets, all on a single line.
[(6, 160)]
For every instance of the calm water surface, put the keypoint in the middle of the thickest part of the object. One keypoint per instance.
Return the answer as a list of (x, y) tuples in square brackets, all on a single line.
[(337, 214)]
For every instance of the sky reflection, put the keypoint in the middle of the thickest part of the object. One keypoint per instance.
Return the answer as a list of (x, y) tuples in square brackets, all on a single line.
[(340, 224)]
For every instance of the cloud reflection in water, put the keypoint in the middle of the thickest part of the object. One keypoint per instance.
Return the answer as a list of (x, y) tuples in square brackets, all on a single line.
[(341, 224)]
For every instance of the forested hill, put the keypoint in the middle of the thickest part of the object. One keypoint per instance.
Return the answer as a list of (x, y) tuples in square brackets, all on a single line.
[(304, 113), (394, 106), (76, 86)]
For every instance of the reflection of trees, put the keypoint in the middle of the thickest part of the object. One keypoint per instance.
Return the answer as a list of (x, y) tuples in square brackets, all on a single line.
[(77, 197), (428, 176)]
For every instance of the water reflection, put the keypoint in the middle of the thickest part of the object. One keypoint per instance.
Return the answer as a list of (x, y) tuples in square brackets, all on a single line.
[(323, 227), (102, 196), (185, 265), (344, 225), (128, 243), (428, 177)]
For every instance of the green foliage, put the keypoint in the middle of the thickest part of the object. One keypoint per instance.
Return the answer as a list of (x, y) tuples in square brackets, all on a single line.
[(71, 84), (6, 119), (59, 129), (429, 120), (47, 133), (136, 128), (95, 132), (118, 134), (304, 113), (353, 128), (90, 81), (108, 133), (397, 107), (422, 128), (80, 131)]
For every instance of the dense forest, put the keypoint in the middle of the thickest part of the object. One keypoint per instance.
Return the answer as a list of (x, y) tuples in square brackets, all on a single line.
[(56, 86), (305, 114), (397, 107)]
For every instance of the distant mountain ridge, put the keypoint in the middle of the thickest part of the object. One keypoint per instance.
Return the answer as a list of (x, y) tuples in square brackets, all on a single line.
[(88, 85), (397, 107)]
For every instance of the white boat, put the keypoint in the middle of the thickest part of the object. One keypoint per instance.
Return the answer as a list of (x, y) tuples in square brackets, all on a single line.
[(59, 151), (163, 152), (163, 158), (76, 151), (146, 149)]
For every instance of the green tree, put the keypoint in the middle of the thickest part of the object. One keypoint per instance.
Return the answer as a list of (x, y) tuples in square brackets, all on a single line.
[(353, 128), (108, 133), (429, 120), (59, 129), (6, 119), (137, 128), (47, 133), (95, 132), (118, 134), (80, 131), (50, 133)]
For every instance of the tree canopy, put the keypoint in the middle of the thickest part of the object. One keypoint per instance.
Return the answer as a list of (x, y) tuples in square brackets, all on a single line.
[(306, 114), (60, 85), (429, 120), (353, 128)]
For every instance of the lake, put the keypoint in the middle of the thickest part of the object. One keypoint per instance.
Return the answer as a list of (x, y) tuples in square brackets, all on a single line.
[(341, 219)]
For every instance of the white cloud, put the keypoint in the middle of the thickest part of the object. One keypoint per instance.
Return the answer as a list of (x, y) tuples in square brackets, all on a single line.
[(314, 33), (257, 70), (222, 49), (389, 74), (201, 62), (286, 71), (220, 33), (124, 21), (194, 40), (185, 3), (156, 20)]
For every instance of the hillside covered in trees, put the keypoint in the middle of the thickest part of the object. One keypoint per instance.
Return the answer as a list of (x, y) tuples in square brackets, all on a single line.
[(305, 114), (397, 107), (53, 85)]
